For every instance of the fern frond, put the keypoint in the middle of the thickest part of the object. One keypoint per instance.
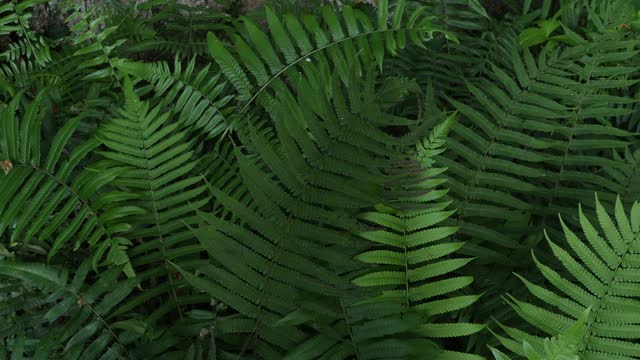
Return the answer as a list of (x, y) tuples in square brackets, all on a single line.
[(196, 97), (625, 171), (25, 48), (156, 161), (563, 346), (81, 308), (61, 75), (52, 200), (306, 183), (596, 274), (92, 36), (14, 18), (522, 153), (349, 39), (411, 250)]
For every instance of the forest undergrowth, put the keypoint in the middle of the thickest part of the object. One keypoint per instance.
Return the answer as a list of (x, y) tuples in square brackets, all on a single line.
[(408, 179)]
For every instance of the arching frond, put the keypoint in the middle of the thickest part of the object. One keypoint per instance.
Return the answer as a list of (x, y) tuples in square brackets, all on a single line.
[(194, 96), (81, 309), (44, 189), (349, 43)]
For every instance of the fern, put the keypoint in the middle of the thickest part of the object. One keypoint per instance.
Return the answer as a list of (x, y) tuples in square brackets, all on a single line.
[(273, 240), (278, 230), (195, 97), (157, 162), (412, 257), (41, 194), (296, 43), (83, 309), (28, 48), (544, 156), (92, 35), (626, 172), (14, 18), (286, 196), (562, 346), (599, 275), (529, 143)]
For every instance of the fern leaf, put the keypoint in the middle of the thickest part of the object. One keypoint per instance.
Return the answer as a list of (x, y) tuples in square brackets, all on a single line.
[(596, 293), (87, 306), (156, 159), (45, 196), (336, 45), (229, 66)]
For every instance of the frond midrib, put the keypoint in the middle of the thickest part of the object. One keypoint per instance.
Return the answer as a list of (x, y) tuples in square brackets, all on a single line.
[(597, 306), (156, 216), (70, 190), (480, 167), (574, 123), (82, 302), (311, 53)]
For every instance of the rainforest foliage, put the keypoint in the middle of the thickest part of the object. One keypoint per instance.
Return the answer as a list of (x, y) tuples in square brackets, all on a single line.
[(414, 179)]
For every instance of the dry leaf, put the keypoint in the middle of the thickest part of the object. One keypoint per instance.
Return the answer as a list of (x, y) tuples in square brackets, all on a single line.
[(6, 166)]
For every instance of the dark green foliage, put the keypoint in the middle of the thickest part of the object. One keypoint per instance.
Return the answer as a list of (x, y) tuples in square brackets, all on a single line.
[(320, 182)]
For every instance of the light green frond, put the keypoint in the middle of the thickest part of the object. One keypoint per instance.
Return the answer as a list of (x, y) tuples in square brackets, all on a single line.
[(599, 296), (416, 267)]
